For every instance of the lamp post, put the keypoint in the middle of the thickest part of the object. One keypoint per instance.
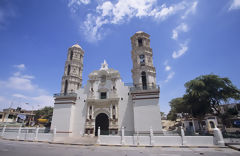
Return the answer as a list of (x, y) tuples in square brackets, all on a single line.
[(31, 114)]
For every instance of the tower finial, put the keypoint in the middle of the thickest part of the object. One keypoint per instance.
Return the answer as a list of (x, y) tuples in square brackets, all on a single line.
[(104, 65)]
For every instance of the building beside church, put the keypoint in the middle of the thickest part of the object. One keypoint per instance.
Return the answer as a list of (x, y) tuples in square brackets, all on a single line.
[(105, 101)]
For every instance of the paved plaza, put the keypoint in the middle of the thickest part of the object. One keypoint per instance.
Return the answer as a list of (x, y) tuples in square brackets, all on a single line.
[(10, 148)]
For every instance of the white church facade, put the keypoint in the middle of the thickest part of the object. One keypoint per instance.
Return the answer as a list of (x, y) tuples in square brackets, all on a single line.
[(105, 101)]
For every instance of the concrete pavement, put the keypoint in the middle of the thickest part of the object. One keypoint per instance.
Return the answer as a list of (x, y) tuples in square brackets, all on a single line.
[(9, 148)]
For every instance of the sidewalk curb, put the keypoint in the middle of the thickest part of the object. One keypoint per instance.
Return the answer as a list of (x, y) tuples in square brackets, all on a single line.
[(232, 147), (145, 146)]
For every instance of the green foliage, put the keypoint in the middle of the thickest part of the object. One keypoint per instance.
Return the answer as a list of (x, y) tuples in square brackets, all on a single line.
[(44, 113), (204, 94), (172, 115)]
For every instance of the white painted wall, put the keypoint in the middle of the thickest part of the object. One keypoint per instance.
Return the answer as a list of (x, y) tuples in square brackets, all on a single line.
[(62, 117), (80, 112), (146, 115)]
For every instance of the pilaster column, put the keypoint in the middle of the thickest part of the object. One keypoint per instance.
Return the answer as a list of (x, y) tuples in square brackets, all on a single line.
[(111, 111), (92, 111), (87, 112)]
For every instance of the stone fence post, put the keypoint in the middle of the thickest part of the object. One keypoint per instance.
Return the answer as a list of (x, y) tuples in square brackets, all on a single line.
[(19, 132), (99, 140), (218, 138), (122, 137), (36, 133), (182, 135), (151, 137), (3, 130), (54, 133)]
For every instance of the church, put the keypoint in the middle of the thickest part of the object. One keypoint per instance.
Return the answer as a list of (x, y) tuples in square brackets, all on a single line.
[(106, 101)]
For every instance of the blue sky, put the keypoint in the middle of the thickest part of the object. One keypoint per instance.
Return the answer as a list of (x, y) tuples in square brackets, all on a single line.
[(188, 37)]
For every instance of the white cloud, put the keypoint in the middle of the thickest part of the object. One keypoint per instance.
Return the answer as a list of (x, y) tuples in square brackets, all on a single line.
[(121, 11), (20, 66), (20, 83), (190, 10), (167, 68), (20, 89), (169, 77), (75, 4), (6, 12), (183, 27), (19, 96), (183, 49), (235, 4)]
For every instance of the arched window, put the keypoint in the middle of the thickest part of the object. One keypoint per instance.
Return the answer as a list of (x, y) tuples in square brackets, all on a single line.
[(142, 60), (68, 70), (66, 87), (71, 55), (144, 80), (140, 42)]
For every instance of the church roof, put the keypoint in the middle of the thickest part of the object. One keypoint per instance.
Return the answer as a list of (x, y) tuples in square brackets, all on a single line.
[(104, 70)]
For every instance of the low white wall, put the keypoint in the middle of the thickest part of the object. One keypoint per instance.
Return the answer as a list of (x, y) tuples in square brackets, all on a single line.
[(110, 140), (28, 136), (232, 140), (198, 140), (158, 140), (167, 140)]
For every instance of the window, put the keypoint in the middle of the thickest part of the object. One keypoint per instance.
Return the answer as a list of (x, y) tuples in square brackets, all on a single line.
[(90, 117), (71, 55), (103, 95), (212, 124), (90, 107), (144, 80), (68, 70), (142, 60), (65, 87), (114, 117), (0, 116), (190, 124), (10, 116), (140, 42), (113, 107)]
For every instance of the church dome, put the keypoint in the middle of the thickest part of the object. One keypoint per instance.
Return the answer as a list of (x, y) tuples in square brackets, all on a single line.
[(139, 32), (76, 46)]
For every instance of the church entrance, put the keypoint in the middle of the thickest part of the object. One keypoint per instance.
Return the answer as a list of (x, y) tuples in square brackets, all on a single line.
[(102, 121)]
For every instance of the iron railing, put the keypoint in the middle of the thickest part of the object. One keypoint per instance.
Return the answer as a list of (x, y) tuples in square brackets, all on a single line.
[(141, 86), (65, 95)]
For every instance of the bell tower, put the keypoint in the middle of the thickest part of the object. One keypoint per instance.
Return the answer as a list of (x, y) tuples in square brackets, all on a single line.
[(72, 77), (143, 71), (144, 92)]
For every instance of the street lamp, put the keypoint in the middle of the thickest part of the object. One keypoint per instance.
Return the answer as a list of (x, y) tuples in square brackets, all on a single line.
[(31, 114)]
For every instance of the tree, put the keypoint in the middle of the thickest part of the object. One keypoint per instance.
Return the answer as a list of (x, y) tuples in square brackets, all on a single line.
[(45, 113), (205, 94), (211, 91)]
